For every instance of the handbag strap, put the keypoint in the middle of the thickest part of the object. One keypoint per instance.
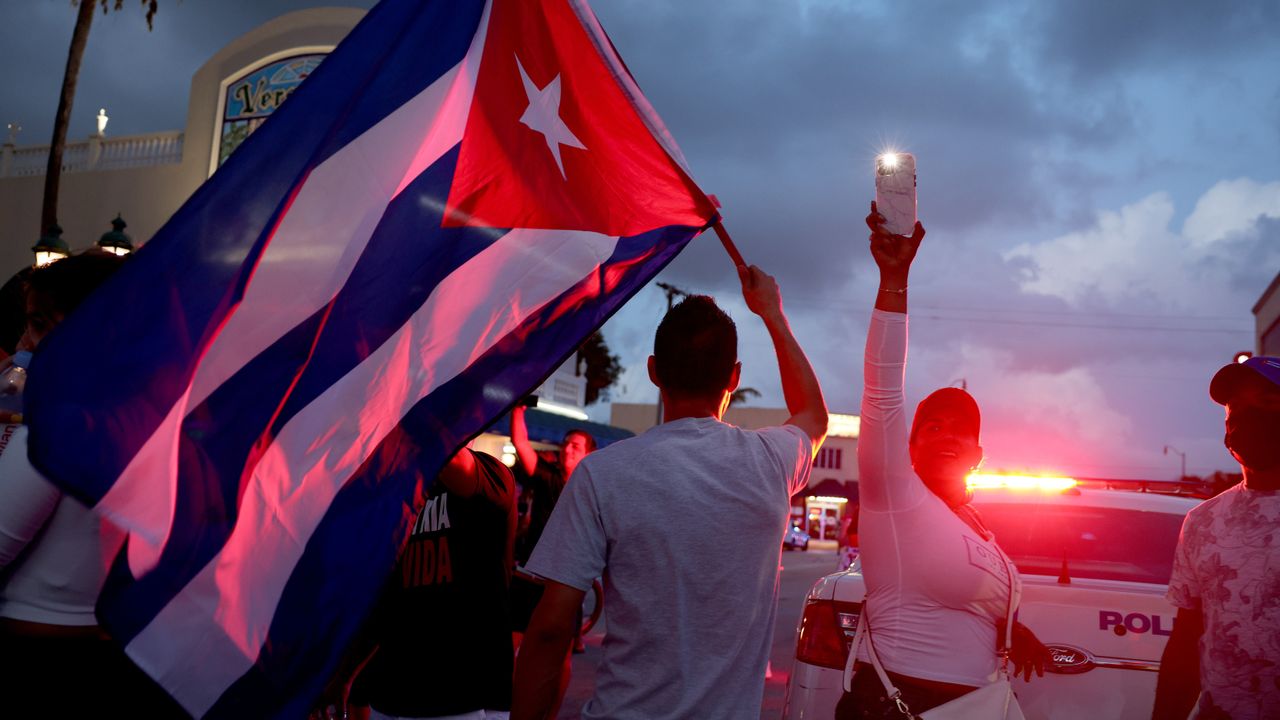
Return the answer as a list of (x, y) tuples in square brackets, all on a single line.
[(970, 517), (1007, 645), (864, 629)]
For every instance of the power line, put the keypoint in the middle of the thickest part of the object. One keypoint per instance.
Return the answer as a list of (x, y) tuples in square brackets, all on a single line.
[(1036, 323), (1087, 313), (1087, 326), (816, 303), (1150, 378), (808, 299)]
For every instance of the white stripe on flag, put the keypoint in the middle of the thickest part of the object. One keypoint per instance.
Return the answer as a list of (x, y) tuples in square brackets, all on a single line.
[(643, 108), (211, 633), (306, 263)]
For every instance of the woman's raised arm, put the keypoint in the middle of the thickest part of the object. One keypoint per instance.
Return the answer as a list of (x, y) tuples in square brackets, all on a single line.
[(886, 481)]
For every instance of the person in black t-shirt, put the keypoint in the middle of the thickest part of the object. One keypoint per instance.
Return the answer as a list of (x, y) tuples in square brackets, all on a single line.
[(442, 627)]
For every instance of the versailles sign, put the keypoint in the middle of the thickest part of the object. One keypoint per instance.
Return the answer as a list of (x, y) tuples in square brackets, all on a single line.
[(250, 99)]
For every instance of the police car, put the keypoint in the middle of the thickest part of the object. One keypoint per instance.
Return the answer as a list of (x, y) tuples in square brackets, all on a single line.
[(1095, 566)]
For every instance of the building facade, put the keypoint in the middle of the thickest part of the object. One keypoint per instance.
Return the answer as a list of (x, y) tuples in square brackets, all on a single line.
[(1266, 317), (146, 178)]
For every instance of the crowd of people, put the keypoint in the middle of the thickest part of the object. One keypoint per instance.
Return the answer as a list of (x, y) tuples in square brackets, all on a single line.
[(457, 633)]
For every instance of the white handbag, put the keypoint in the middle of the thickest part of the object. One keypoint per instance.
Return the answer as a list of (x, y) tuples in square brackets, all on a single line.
[(990, 702)]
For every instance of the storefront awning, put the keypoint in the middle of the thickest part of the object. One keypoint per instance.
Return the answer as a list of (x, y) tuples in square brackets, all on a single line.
[(833, 488)]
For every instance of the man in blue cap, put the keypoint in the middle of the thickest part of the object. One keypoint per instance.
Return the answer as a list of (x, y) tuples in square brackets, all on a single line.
[(1225, 645)]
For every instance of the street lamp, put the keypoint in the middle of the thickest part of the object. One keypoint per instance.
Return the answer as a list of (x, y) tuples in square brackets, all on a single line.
[(1168, 449), (102, 121), (51, 247), (116, 242)]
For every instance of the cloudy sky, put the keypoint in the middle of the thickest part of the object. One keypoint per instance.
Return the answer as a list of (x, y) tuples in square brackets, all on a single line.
[(1100, 181)]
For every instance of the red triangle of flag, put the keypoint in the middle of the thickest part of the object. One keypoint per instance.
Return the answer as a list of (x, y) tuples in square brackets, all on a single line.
[(553, 142)]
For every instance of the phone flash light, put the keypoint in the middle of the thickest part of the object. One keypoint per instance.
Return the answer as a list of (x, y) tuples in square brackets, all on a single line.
[(889, 160)]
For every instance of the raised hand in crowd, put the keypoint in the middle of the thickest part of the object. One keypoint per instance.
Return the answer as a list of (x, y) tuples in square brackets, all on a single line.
[(893, 255)]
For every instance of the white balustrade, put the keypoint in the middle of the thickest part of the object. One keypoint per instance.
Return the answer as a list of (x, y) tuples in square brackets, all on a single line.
[(114, 154)]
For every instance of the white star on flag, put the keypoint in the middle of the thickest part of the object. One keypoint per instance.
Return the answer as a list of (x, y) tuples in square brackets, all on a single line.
[(543, 116)]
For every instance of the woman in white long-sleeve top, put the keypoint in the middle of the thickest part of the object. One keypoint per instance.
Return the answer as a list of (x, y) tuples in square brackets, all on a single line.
[(938, 585)]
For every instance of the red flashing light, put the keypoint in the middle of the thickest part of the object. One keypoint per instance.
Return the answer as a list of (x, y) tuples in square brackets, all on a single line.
[(977, 481)]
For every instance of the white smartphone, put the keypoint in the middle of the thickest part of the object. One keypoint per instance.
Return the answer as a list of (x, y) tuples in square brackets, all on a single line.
[(896, 191)]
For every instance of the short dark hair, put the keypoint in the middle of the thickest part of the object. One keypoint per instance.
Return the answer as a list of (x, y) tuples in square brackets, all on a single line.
[(586, 437), (63, 285), (13, 310), (695, 348)]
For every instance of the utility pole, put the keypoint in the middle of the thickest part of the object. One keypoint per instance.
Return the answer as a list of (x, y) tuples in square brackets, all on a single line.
[(672, 292)]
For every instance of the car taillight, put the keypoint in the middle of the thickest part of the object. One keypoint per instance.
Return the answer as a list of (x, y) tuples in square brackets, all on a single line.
[(826, 631)]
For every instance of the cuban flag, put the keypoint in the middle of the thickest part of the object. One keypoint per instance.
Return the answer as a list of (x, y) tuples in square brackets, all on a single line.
[(457, 197)]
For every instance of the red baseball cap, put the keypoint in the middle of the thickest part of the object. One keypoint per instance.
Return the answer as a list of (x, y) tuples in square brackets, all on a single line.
[(948, 401)]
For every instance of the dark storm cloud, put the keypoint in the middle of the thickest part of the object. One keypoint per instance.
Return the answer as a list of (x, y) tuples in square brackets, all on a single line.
[(781, 108), (1246, 257), (1094, 38)]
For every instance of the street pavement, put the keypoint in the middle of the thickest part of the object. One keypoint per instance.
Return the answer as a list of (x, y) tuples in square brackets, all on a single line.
[(799, 571)]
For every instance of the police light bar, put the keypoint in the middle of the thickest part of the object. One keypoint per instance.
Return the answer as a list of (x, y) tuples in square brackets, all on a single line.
[(977, 481)]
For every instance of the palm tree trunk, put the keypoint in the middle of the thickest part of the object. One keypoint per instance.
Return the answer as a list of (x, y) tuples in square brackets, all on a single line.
[(53, 173)]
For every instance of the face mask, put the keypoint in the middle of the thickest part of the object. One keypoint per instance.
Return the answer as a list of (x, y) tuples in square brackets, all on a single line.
[(1255, 438)]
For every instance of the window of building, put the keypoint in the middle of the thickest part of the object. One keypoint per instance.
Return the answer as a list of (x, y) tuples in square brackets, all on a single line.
[(565, 392), (1270, 344), (829, 458)]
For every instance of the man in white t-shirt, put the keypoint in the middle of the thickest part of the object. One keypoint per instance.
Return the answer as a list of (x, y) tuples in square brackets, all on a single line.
[(689, 626), (1225, 644)]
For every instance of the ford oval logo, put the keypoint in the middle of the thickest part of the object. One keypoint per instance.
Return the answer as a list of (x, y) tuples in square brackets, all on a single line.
[(1069, 660)]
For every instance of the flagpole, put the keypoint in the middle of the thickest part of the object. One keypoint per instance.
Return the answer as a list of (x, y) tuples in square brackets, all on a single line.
[(729, 247)]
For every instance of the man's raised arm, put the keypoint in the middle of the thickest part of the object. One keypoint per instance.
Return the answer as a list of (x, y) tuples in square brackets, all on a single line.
[(525, 453), (800, 386)]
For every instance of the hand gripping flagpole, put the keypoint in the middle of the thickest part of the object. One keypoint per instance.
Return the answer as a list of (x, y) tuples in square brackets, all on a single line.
[(729, 247), (725, 240)]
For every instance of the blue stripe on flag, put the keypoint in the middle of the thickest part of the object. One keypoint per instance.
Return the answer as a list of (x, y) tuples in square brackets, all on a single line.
[(343, 568), (216, 456), (180, 288)]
